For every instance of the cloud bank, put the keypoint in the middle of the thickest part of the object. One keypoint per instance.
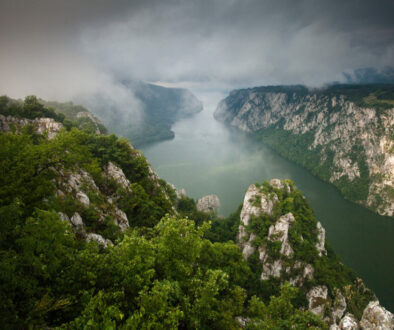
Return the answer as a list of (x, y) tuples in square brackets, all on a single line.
[(68, 49)]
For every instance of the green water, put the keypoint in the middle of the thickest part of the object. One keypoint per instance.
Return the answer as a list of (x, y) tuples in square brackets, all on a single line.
[(206, 157)]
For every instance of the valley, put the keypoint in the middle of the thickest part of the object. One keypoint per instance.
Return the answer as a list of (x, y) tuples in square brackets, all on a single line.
[(206, 157)]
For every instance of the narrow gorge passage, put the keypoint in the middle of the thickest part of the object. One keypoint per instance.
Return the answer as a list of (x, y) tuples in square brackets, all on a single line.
[(205, 157)]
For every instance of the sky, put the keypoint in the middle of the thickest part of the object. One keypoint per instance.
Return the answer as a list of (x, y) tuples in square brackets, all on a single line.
[(74, 50)]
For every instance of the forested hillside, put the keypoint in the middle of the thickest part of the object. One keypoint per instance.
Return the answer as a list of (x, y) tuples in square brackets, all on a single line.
[(90, 237), (344, 134)]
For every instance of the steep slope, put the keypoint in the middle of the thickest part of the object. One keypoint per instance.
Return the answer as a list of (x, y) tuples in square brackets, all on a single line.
[(282, 241), (91, 237), (159, 108), (344, 134), (68, 114), (77, 114)]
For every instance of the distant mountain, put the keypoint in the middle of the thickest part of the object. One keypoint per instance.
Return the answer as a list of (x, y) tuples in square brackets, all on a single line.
[(344, 134), (77, 114), (159, 108), (34, 109), (370, 76)]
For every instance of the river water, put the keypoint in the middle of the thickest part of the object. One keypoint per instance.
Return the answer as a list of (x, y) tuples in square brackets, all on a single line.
[(206, 157)]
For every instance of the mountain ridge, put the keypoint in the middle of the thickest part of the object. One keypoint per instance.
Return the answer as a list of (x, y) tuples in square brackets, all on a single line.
[(342, 133)]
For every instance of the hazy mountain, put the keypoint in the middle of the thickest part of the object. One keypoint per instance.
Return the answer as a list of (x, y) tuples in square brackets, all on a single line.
[(151, 118)]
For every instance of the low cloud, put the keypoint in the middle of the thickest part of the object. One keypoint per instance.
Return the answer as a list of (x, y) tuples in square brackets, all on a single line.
[(82, 50)]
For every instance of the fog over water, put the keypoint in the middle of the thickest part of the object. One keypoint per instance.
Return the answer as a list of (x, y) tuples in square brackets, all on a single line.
[(206, 157)]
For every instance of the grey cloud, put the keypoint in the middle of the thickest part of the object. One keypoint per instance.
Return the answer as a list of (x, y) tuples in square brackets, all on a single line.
[(65, 49)]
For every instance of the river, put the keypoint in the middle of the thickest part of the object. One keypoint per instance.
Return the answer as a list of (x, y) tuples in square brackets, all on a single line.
[(206, 157)]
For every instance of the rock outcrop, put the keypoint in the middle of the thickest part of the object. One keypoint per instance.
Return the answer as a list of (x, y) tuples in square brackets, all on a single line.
[(116, 173), (317, 298), (40, 125), (351, 142), (99, 239), (258, 202), (209, 203), (349, 322), (272, 230), (377, 317)]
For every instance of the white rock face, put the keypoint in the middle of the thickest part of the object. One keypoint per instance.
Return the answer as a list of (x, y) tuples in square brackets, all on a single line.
[(334, 132), (47, 125), (339, 306), (209, 203), (281, 231), (41, 125), (277, 232), (116, 173), (121, 219), (257, 203), (76, 220), (76, 181), (272, 269), (321, 236), (308, 271), (280, 185), (99, 239), (376, 317), (83, 198), (317, 297), (349, 322), (249, 209)]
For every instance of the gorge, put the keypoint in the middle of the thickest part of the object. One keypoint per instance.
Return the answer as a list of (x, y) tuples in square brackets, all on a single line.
[(206, 157), (86, 219)]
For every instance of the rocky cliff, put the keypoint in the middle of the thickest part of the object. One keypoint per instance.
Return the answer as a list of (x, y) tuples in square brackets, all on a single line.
[(90, 235), (343, 134), (279, 234)]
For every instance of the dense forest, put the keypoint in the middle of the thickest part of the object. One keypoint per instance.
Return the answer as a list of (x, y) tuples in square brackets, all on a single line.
[(170, 266)]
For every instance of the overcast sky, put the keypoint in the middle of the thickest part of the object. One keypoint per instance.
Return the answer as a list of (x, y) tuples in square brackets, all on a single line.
[(62, 49)]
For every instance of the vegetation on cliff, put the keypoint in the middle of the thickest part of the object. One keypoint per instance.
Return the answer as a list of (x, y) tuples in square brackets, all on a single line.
[(68, 260), (342, 133)]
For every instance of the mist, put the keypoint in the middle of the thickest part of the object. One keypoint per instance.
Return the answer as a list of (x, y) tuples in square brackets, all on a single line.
[(82, 51)]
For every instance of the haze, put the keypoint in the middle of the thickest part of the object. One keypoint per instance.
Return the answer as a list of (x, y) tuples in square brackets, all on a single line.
[(78, 50)]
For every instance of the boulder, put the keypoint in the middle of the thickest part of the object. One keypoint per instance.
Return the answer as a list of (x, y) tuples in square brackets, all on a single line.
[(209, 203), (376, 317), (116, 173), (321, 236), (121, 219), (317, 298), (99, 239), (349, 322), (281, 231), (83, 198), (76, 220)]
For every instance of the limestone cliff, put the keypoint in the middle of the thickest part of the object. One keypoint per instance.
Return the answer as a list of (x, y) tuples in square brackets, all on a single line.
[(39, 125), (345, 135), (209, 203), (279, 233)]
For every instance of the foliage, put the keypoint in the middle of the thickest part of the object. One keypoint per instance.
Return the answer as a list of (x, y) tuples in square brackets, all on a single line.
[(280, 313), (166, 271)]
